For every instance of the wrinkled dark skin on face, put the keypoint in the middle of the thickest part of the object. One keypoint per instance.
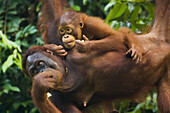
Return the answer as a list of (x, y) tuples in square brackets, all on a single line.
[(89, 80)]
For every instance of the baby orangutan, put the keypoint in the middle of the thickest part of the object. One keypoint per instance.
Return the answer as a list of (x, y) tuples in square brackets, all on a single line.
[(73, 27), (65, 27)]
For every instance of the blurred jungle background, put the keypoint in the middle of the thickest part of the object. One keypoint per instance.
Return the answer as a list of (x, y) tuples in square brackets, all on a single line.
[(18, 31)]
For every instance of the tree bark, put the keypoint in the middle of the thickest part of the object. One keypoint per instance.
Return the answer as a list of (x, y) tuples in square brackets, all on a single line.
[(161, 27)]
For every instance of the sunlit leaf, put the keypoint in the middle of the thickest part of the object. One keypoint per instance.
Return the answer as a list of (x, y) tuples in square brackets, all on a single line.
[(10, 44), (76, 7), (7, 63), (15, 53), (116, 11), (6, 91), (121, 10), (20, 60), (13, 88), (109, 5), (4, 38), (15, 46)]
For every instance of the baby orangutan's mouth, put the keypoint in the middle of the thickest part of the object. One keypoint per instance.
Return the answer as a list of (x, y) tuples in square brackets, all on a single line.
[(69, 43)]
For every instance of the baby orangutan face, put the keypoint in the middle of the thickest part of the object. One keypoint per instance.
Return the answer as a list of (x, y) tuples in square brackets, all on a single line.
[(70, 29)]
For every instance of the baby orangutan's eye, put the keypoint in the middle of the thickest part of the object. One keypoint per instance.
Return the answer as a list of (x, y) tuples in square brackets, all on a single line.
[(48, 51), (69, 30), (62, 31)]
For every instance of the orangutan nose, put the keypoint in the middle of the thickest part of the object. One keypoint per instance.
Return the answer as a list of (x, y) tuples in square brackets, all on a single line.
[(66, 36)]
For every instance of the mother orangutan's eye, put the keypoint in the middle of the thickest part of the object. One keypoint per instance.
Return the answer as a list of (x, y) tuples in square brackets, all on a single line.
[(48, 51)]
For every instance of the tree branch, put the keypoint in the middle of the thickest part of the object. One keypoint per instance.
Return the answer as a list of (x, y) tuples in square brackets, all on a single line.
[(161, 25), (6, 16)]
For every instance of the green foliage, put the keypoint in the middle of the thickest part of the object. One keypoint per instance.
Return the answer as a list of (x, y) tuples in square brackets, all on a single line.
[(135, 14), (149, 105), (18, 32), (90, 7)]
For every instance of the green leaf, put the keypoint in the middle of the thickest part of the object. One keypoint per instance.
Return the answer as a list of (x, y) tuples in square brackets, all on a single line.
[(138, 107), (1, 92), (15, 53), (112, 12), (126, 15), (9, 43), (12, 29), (16, 105), (4, 39), (38, 8), (13, 44), (26, 29), (40, 41), (109, 5), (20, 60), (34, 110), (33, 31), (116, 11), (13, 88), (85, 2), (117, 26), (18, 35), (151, 9), (12, 12), (1, 12), (6, 91), (121, 10), (76, 7), (26, 34), (8, 87), (25, 43), (7, 63), (13, 25), (25, 104), (135, 13)]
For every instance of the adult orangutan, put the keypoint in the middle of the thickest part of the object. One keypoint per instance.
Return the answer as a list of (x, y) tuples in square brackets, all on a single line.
[(100, 78)]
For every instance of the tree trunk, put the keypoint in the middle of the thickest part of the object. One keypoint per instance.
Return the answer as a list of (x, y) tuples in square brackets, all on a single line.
[(162, 25), (161, 28)]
